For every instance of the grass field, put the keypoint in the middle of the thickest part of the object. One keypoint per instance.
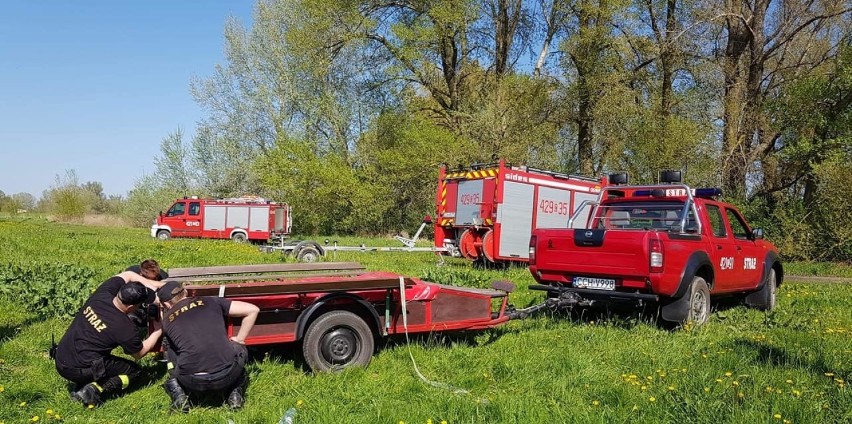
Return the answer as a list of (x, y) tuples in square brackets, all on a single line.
[(745, 366)]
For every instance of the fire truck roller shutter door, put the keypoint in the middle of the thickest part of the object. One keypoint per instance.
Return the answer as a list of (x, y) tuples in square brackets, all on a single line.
[(259, 218), (515, 216), (469, 201), (553, 209), (238, 216), (214, 218)]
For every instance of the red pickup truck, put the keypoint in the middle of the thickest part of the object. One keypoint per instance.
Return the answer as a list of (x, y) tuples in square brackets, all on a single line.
[(667, 244)]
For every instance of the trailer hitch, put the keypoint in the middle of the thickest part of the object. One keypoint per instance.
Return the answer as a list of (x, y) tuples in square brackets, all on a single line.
[(566, 300)]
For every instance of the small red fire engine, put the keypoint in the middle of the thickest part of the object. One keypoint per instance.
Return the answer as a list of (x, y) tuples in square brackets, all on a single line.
[(239, 219)]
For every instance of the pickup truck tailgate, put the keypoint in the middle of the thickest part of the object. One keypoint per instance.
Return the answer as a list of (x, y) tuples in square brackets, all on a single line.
[(612, 253)]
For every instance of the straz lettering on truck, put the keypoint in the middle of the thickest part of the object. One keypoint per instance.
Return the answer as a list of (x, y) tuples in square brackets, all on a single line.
[(554, 207), (750, 263), (470, 199), (726, 263)]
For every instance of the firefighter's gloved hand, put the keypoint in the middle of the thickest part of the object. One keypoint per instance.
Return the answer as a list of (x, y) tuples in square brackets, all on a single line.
[(139, 317)]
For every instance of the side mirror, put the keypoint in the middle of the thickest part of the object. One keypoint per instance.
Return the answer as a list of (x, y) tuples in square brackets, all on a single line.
[(161, 213), (757, 233)]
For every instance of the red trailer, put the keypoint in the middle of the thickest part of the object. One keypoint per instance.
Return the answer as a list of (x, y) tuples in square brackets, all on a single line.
[(487, 212), (337, 310)]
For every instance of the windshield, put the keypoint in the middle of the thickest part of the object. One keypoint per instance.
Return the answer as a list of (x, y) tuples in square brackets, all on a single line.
[(665, 215)]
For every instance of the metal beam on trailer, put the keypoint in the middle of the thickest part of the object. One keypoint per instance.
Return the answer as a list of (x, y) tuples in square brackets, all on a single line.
[(224, 278), (263, 268), (294, 287)]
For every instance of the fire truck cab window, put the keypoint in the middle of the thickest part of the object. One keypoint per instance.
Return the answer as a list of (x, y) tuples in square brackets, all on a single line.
[(194, 208), (176, 209)]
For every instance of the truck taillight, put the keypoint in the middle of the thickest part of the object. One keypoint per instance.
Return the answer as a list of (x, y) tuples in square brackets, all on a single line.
[(532, 250), (656, 258)]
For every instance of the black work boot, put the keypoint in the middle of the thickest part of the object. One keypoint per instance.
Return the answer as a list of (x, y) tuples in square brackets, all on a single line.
[(90, 394), (237, 396), (180, 401)]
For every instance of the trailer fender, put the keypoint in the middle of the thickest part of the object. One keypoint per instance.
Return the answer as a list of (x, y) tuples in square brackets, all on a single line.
[(308, 243), (678, 308), (317, 308)]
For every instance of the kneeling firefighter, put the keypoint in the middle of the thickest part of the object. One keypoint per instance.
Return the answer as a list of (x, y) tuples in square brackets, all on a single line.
[(201, 357), (84, 357)]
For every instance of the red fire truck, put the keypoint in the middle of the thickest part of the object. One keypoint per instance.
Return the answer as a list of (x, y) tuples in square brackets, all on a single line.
[(239, 219), (487, 212)]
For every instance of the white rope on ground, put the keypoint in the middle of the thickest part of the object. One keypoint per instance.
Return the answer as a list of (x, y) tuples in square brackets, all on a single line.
[(437, 384)]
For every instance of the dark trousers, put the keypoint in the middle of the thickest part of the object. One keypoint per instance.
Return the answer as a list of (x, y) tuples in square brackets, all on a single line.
[(220, 381), (110, 372)]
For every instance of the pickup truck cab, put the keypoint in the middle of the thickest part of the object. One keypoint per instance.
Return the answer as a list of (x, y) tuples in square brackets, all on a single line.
[(667, 244)]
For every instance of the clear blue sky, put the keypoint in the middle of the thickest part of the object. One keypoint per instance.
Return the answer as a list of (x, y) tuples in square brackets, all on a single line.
[(94, 86)]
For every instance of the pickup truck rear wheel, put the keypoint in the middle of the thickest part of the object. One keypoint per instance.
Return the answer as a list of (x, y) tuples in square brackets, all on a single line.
[(699, 302), (336, 340)]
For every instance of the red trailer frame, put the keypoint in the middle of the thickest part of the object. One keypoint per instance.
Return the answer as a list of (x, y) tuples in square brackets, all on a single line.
[(337, 309), (487, 212)]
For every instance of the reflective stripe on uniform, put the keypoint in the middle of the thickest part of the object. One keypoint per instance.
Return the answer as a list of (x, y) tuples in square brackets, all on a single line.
[(125, 380)]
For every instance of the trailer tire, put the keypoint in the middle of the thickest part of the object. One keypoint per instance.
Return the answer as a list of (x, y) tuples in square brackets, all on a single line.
[(164, 235), (239, 237), (699, 302), (308, 254), (336, 340)]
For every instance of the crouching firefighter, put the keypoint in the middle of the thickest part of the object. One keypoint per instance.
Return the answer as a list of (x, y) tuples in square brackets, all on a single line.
[(202, 359), (84, 357)]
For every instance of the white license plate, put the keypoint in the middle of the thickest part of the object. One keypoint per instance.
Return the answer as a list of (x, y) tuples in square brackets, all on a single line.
[(594, 283)]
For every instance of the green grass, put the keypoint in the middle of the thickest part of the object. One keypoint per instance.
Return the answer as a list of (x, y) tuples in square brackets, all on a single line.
[(745, 366)]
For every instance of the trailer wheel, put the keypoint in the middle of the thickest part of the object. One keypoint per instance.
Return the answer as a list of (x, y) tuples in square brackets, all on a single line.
[(164, 235), (239, 237), (336, 340), (699, 302), (308, 254)]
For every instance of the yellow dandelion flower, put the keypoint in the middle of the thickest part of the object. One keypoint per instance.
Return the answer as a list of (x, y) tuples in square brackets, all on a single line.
[(22, 404), (34, 418), (728, 374), (644, 387), (662, 374), (91, 406), (632, 376), (443, 421), (740, 395), (768, 389), (57, 417), (828, 374), (706, 390), (649, 378), (704, 356), (735, 383), (2, 389), (595, 402), (299, 402), (429, 421), (402, 422), (635, 408), (718, 380), (797, 393), (652, 399), (789, 381), (786, 421), (49, 412), (671, 388), (777, 416)]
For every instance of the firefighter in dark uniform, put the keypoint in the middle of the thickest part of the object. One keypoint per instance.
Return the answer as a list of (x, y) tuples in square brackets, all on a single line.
[(84, 357), (202, 359)]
